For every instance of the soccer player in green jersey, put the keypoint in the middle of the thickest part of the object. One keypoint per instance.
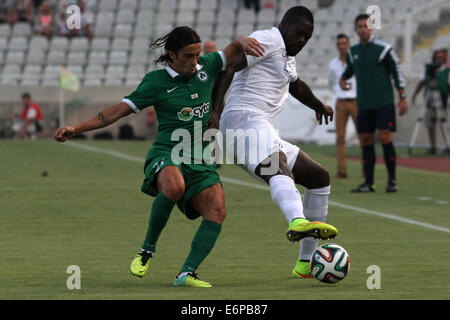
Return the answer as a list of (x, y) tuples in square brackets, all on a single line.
[(181, 95)]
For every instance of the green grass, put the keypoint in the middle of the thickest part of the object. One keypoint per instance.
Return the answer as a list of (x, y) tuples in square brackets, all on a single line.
[(89, 211)]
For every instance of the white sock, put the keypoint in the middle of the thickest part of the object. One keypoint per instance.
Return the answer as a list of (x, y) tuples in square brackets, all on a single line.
[(286, 196), (316, 209)]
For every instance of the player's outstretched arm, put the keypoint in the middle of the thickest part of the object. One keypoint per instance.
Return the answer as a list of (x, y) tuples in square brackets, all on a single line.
[(303, 93), (243, 45), (101, 120)]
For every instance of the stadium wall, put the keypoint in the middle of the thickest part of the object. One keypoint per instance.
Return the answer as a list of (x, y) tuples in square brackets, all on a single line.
[(89, 101)]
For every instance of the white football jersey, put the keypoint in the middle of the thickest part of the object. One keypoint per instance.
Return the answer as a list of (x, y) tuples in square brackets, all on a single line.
[(264, 85)]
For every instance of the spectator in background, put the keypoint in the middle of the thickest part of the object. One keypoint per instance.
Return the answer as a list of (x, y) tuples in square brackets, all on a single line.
[(5, 11), (436, 83), (87, 19), (31, 117), (345, 101), (22, 11), (62, 29), (209, 46), (45, 20), (253, 3)]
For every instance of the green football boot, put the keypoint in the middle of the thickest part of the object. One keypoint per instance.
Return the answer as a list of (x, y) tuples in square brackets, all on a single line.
[(191, 280), (302, 228), (140, 263), (302, 270)]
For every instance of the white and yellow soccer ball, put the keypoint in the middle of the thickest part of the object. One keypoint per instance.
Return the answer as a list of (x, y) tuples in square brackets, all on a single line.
[(330, 263)]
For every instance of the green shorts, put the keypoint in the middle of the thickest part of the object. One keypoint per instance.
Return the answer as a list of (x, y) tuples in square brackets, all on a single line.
[(197, 177)]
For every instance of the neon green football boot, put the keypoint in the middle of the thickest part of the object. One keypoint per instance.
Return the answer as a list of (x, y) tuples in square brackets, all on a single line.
[(302, 228), (191, 280), (140, 263), (302, 270)]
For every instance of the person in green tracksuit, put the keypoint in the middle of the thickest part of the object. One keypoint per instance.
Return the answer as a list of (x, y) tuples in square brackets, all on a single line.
[(181, 94), (374, 62)]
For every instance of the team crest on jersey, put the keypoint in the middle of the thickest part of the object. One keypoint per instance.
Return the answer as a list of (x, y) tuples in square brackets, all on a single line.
[(187, 113), (202, 75)]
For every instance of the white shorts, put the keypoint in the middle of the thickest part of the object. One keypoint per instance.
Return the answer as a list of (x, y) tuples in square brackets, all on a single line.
[(249, 138)]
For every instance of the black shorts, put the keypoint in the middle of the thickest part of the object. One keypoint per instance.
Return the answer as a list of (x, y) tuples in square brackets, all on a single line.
[(381, 118)]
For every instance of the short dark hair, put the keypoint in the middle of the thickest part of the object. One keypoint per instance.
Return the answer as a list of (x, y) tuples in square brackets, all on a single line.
[(342, 35), (175, 40), (362, 16), (26, 95), (294, 14)]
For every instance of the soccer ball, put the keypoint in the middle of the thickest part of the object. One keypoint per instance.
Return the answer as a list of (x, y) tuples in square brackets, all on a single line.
[(330, 263)]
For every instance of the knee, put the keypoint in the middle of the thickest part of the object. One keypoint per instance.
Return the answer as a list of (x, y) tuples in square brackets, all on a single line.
[(321, 179), (174, 189), (385, 137), (217, 214)]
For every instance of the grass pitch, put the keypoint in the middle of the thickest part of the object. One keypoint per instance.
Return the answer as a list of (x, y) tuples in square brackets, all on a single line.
[(62, 206)]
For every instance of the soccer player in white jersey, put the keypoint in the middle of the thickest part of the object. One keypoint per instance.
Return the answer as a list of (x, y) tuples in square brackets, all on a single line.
[(258, 93)]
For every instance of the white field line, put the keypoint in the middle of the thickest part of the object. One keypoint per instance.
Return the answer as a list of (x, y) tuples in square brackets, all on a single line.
[(264, 187)]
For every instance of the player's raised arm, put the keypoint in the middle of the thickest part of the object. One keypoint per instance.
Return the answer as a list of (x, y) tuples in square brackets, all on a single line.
[(301, 91), (243, 45), (102, 119)]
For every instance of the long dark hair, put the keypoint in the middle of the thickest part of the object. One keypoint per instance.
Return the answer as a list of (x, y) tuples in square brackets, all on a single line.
[(175, 40)]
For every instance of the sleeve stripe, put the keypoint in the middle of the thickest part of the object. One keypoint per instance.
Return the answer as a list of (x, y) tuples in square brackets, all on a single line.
[(384, 52), (131, 104), (401, 79), (224, 60)]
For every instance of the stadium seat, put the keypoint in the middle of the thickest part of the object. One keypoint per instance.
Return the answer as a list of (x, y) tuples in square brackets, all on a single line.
[(5, 30), (247, 16), (168, 5), (120, 44), (122, 30), (226, 15), (56, 57), (118, 58), (126, 17), (21, 29), (36, 57), (266, 16), (59, 44), (185, 18), (224, 30), (208, 4), (18, 44), (244, 29), (39, 43), (107, 5), (140, 44), (144, 29), (189, 5), (136, 71), (76, 58), (147, 5), (205, 31), (129, 5), (92, 82), (13, 57), (145, 16), (162, 30), (100, 44), (97, 57), (3, 43), (79, 44), (1, 58), (206, 17), (138, 57)]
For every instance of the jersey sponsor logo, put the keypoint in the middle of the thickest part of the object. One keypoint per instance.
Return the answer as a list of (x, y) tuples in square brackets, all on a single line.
[(355, 57), (188, 113), (170, 90), (202, 76)]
